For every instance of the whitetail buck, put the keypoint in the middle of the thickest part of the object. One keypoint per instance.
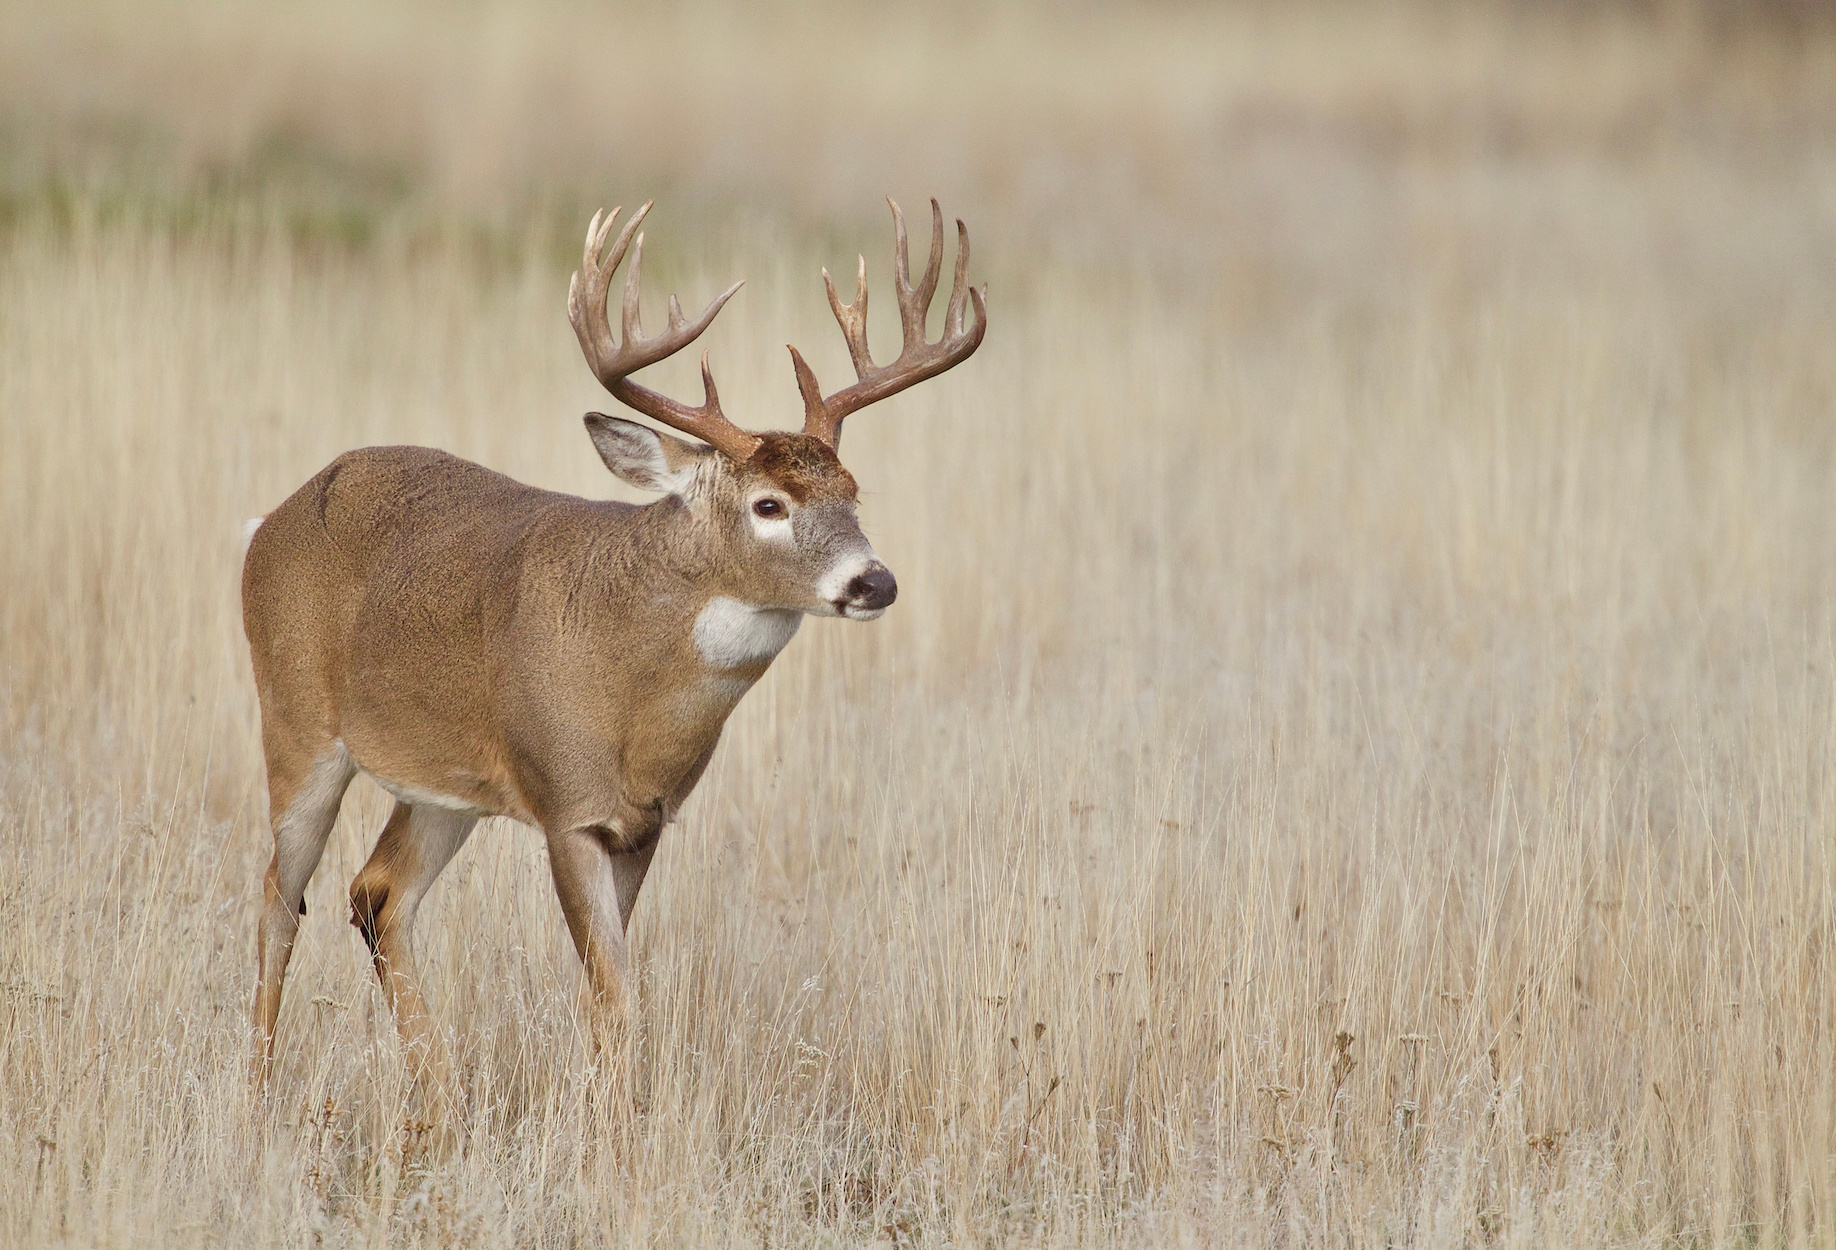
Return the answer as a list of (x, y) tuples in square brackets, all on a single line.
[(483, 648)]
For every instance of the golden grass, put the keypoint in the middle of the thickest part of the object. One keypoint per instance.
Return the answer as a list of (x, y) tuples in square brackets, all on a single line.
[(1350, 764)]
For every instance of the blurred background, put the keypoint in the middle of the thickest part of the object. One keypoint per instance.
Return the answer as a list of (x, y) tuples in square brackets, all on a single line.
[(1352, 759), (1335, 144)]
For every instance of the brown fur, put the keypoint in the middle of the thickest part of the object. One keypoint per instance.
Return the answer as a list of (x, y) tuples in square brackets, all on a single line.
[(485, 648), (806, 468), (481, 645)]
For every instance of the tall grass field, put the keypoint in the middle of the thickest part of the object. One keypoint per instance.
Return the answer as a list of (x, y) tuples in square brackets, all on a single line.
[(1351, 761)]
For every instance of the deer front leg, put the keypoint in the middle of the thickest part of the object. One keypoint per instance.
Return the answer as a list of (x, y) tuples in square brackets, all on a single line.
[(598, 872)]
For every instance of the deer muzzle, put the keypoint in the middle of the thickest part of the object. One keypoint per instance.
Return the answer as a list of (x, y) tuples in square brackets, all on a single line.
[(869, 593)]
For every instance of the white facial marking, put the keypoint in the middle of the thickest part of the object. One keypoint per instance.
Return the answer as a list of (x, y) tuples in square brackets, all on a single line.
[(772, 529), (834, 584), (729, 633), (248, 531)]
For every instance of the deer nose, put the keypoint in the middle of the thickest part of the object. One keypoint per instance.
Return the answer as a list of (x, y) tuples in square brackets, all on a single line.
[(874, 589)]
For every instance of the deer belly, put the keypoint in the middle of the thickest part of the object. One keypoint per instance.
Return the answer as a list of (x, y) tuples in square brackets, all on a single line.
[(458, 781)]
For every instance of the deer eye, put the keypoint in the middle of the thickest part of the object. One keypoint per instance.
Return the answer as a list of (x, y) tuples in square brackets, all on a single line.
[(770, 509)]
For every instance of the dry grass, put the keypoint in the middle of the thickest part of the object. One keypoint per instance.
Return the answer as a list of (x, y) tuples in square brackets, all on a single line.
[(1351, 763)]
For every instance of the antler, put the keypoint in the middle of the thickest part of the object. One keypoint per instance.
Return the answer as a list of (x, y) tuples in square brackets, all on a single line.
[(918, 359), (613, 362)]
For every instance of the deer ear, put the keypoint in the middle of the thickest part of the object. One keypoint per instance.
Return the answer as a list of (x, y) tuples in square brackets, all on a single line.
[(647, 459)]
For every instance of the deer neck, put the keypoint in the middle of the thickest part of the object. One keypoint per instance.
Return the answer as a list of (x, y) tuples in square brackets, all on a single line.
[(730, 635)]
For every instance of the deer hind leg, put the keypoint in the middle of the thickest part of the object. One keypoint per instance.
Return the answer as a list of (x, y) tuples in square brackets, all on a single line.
[(416, 843), (304, 791)]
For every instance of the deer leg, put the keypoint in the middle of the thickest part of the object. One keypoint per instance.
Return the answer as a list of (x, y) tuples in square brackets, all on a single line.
[(628, 872), (303, 801), (416, 843), (598, 872)]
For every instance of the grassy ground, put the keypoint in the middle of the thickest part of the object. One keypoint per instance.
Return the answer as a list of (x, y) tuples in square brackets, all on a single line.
[(1350, 764)]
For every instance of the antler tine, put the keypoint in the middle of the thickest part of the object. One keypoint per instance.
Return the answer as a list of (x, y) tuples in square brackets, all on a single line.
[(915, 304), (853, 317), (808, 388), (612, 363), (587, 281), (629, 326), (709, 396), (918, 359), (953, 315), (594, 332)]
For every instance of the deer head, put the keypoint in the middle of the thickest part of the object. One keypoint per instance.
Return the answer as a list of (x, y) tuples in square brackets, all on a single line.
[(778, 509)]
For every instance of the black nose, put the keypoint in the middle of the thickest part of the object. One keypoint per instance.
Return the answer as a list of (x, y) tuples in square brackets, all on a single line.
[(874, 589)]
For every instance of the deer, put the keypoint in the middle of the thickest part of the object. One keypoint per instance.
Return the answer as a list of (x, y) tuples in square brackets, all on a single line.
[(479, 647)]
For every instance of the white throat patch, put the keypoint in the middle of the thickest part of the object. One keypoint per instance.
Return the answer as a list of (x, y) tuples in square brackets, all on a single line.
[(729, 633)]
